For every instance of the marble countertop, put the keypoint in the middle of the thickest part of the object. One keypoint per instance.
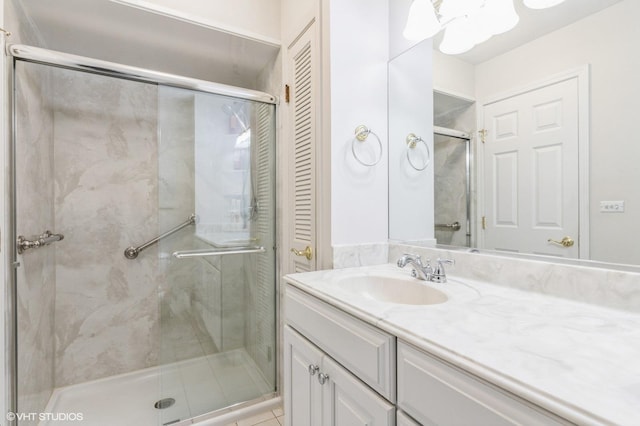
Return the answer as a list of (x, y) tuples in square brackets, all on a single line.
[(577, 360)]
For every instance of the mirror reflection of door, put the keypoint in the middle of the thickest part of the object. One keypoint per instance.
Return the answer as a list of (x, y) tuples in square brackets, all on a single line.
[(530, 160)]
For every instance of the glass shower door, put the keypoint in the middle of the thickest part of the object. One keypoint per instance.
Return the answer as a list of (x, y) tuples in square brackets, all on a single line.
[(217, 298), (172, 333)]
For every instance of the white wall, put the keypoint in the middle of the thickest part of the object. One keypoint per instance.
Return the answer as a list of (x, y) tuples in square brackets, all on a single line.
[(359, 55), (295, 16), (398, 12), (608, 41), (453, 76), (411, 206), (252, 17)]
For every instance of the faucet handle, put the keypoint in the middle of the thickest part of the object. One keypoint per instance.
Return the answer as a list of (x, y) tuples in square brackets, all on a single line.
[(439, 274)]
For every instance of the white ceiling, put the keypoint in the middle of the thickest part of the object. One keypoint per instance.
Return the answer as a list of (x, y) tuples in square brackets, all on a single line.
[(116, 32), (533, 24)]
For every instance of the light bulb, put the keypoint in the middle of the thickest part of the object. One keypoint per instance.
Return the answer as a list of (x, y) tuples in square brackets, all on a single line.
[(498, 16), (541, 4), (422, 22), (459, 37)]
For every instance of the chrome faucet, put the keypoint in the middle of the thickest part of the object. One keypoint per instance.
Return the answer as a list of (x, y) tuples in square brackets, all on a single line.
[(419, 271), (425, 272)]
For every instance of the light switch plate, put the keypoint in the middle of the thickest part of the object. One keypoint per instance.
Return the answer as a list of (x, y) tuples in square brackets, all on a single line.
[(612, 206)]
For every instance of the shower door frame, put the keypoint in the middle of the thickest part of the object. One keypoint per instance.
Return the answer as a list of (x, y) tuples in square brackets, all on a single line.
[(457, 134), (57, 59)]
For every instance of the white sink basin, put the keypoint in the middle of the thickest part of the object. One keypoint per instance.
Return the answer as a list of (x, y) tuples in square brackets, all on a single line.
[(392, 289)]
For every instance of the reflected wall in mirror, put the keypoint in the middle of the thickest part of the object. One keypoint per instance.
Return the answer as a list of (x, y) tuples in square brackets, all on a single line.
[(594, 39)]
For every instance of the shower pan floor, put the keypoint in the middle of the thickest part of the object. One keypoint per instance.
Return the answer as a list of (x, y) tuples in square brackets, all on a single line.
[(197, 385)]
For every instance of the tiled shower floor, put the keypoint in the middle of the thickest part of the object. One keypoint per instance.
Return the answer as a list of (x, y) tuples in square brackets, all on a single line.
[(198, 385)]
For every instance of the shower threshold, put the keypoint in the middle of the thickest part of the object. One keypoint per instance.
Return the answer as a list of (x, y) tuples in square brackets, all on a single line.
[(199, 385)]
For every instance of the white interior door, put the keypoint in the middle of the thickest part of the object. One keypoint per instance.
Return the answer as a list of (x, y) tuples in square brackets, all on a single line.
[(531, 171)]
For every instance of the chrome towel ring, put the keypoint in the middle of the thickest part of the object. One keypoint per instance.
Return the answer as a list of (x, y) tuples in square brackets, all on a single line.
[(361, 134), (413, 141)]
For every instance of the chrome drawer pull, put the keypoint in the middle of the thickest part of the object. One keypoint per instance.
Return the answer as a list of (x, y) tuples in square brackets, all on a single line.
[(322, 378)]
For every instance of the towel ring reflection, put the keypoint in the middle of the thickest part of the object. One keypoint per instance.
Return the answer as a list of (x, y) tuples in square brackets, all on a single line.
[(412, 142), (362, 133)]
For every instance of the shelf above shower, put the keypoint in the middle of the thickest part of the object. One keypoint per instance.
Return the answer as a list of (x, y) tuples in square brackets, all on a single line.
[(144, 34)]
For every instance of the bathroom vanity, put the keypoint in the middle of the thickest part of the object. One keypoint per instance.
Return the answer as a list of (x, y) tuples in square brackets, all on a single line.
[(376, 346)]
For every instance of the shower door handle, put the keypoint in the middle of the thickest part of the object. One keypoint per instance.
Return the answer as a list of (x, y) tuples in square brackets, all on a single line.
[(43, 240)]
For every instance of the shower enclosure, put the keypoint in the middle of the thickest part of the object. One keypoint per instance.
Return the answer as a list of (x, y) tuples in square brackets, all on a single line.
[(452, 183), (144, 278)]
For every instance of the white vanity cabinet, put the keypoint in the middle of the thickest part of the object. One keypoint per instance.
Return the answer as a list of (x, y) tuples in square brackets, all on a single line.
[(319, 391), (436, 393), (340, 370), (404, 420)]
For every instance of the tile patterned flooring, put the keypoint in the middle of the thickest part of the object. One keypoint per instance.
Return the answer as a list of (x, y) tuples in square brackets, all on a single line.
[(268, 418)]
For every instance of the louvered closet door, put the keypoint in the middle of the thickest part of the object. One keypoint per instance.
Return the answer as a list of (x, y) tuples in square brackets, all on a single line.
[(302, 177)]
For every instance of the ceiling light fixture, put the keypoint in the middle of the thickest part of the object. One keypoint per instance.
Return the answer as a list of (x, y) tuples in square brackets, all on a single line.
[(467, 23), (541, 4)]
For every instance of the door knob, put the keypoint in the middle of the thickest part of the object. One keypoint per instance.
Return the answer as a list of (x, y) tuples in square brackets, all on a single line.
[(565, 242), (306, 252)]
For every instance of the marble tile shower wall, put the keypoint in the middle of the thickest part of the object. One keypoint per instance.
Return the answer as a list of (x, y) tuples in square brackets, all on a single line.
[(35, 214), (106, 198), (202, 298), (182, 335)]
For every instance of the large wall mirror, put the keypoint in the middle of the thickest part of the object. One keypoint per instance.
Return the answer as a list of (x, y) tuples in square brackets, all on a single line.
[(559, 98)]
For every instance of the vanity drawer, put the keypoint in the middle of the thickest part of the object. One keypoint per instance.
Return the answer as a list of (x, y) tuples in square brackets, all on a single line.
[(436, 393), (361, 348)]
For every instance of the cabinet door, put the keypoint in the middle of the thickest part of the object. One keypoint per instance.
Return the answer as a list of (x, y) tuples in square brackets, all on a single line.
[(437, 393), (403, 419), (302, 397), (348, 402)]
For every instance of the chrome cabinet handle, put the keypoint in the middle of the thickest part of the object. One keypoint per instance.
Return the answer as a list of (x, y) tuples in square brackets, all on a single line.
[(306, 252), (313, 369), (322, 378), (565, 242)]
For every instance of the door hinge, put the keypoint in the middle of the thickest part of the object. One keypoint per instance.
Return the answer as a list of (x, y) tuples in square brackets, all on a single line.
[(484, 222), (286, 93), (483, 135)]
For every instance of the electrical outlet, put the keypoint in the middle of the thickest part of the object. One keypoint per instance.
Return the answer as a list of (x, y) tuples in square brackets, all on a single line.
[(612, 206)]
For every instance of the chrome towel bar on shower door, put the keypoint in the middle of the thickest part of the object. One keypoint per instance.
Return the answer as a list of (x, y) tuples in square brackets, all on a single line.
[(133, 252), (43, 240), (183, 254)]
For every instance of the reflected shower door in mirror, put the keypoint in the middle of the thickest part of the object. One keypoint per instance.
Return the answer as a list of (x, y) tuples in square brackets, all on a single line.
[(452, 189), (570, 38), (112, 163)]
